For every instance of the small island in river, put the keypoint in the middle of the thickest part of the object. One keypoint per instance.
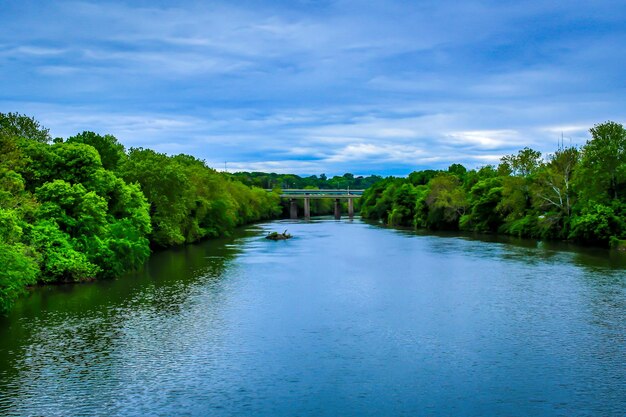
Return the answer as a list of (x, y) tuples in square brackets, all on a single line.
[(279, 236)]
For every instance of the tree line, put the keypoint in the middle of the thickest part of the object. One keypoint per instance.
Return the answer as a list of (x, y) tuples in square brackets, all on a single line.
[(85, 208), (576, 194), (318, 207), (322, 182)]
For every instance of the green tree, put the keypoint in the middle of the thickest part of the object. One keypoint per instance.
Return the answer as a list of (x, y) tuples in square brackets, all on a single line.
[(403, 206), (422, 177), (553, 192), (484, 198), (165, 185), (446, 201), (109, 149), (70, 162), (598, 224), (526, 162), (603, 165), (18, 125), (377, 201), (59, 260), (19, 270), (518, 175), (458, 170)]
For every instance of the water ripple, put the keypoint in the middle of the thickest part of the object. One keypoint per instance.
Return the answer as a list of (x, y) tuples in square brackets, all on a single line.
[(344, 319)]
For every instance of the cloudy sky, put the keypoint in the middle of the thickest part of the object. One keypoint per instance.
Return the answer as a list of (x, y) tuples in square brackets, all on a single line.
[(308, 86)]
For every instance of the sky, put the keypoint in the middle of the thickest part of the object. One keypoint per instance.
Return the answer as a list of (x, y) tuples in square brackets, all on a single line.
[(311, 87)]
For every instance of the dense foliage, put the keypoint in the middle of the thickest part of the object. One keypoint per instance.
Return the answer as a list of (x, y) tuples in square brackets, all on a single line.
[(576, 194), (84, 208)]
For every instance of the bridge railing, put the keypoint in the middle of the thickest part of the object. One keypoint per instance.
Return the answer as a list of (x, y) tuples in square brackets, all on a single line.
[(294, 194), (329, 192)]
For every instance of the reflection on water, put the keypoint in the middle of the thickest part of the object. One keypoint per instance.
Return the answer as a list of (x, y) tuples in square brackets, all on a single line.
[(344, 319)]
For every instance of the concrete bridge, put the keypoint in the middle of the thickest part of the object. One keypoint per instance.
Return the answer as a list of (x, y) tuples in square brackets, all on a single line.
[(307, 195)]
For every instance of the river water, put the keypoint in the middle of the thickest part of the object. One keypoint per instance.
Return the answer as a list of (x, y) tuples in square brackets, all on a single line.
[(345, 319)]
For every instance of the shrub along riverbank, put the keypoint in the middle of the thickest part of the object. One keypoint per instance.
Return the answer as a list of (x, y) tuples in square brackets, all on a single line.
[(574, 194), (84, 208)]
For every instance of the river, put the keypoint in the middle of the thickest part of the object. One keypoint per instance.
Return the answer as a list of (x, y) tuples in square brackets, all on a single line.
[(345, 319)]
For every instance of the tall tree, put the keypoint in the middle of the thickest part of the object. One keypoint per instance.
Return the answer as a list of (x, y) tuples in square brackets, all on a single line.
[(552, 190), (18, 125), (110, 150), (446, 201), (524, 163), (603, 165), (557, 179)]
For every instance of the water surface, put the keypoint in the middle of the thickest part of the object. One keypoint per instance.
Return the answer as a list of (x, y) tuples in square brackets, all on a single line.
[(344, 319)]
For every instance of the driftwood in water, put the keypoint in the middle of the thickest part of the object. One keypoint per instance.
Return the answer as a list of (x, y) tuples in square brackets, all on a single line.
[(278, 236)]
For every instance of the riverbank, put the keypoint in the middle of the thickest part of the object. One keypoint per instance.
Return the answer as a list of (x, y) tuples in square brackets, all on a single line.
[(574, 194), (84, 208)]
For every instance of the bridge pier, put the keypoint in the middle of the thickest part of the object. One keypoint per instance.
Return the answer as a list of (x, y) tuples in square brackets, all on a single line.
[(307, 194), (293, 208), (307, 208)]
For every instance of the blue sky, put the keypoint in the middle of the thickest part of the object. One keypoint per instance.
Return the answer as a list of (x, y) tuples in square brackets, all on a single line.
[(308, 87)]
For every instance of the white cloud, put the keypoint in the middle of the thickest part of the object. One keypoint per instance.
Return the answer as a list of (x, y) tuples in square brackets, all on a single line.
[(488, 139), (280, 167), (36, 50)]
